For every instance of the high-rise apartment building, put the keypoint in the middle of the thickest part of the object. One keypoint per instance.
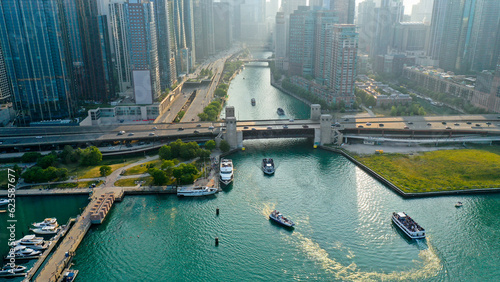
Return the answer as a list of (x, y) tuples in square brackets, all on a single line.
[(345, 10), (385, 18), (119, 30), (37, 59), (280, 36), (301, 42), (343, 60), (366, 24), (183, 26), (143, 51), (324, 22)]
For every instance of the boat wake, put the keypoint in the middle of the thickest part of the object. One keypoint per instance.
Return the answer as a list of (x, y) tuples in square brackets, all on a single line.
[(428, 266)]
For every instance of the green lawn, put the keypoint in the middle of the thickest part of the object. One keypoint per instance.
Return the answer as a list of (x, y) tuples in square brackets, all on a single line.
[(80, 184), (445, 170), (140, 169), (131, 181), (93, 171)]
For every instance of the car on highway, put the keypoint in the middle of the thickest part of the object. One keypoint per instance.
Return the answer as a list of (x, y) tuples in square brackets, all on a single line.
[(223, 129), (368, 124), (448, 127), (406, 127), (210, 128), (269, 127), (488, 123), (131, 134), (121, 132), (180, 128), (443, 122), (291, 120), (477, 124), (457, 124), (196, 132), (38, 137), (245, 127), (198, 125), (151, 134), (469, 122), (253, 128), (381, 125), (155, 128), (305, 126), (360, 126), (285, 126), (346, 119), (429, 124)]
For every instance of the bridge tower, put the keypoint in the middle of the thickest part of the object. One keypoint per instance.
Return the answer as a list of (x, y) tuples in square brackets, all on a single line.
[(315, 111), (326, 129), (234, 138)]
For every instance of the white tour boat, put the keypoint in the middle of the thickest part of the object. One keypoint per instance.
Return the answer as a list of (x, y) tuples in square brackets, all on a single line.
[(196, 191), (51, 221), (226, 171), (35, 243), (23, 251), (408, 225)]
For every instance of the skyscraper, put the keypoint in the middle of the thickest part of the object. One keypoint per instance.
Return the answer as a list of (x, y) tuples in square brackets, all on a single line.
[(366, 24), (422, 11), (166, 54), (143, 51), (253, 21), (119, 30), (183, 26), (385, 17), (280, 36), (37, 58), (223, 34), (345, 10), (95, 80), (204, 28), (301, 42), (437, 28), (323, 31), (5, 91)]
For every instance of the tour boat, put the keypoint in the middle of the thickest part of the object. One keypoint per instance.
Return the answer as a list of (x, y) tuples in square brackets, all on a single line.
[(226, 171), (4, 202), (196, 191), (281, 112), (459, 204), (253, 101), (51, 221), (268, 166), (408, 225), (279, 218), (23, 251), (9, 269), (46, 230)]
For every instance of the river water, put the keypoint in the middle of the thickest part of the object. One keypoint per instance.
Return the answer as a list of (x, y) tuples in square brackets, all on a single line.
[(343, 229)]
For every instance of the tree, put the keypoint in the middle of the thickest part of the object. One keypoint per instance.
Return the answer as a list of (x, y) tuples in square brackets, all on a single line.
[(69, 155), (210, 145), (30, 157), (165, 152), (46, 161), (159, 176), (220, 92), (91, 156), (105, 170), (224, 146), (394, 111)]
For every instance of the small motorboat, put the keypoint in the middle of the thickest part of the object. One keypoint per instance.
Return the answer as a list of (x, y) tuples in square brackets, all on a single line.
[(268, 166), (51, 221), (253, 101), (459, 204), (280, 112), (23, 251), (279, 218), (4, 202)]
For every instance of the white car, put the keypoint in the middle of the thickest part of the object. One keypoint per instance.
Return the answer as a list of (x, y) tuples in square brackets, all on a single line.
[(38, 137)]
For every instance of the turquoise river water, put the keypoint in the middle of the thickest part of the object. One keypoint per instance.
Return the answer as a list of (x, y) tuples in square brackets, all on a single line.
[(343, 229)]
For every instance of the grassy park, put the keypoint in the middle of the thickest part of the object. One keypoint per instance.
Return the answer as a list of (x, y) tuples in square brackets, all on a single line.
[(445, 170), (129, 182)]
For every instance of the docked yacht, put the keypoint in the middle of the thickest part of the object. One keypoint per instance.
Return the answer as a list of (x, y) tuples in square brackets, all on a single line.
[(51, 221), (268, 166), (279, 218), (226, 171), (46, 230), (196, 191), (23, 252), (8, 269), (35, 243), (253, 101), (4, 202), (280, 112), (408, 225)]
